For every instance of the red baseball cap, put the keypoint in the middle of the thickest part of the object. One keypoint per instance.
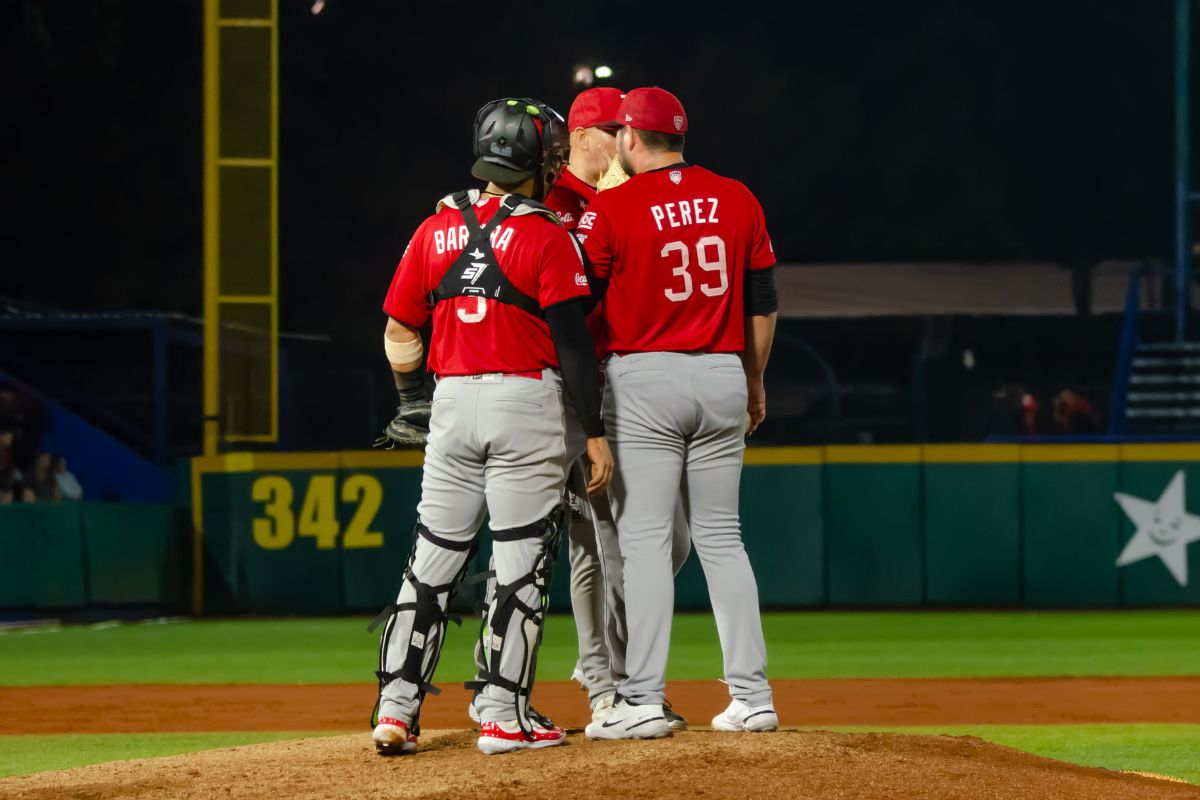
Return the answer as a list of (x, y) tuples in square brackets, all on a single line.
[(650, 108), (595, 107)]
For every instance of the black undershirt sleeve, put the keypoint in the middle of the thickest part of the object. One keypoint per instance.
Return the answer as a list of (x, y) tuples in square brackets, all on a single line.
[(762, 296), (577, 360)]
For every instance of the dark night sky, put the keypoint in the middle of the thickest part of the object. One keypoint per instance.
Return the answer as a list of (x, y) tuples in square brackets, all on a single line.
[(871, 131)]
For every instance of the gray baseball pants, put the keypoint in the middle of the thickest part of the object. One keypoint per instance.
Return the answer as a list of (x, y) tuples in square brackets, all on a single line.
[(597, 584), (675, 417), (496, 445)]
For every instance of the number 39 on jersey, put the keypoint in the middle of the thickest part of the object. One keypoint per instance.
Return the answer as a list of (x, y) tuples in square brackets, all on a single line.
[(710, 257)]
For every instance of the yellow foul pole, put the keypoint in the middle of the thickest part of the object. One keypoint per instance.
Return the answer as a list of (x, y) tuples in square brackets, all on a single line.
[(212, 231)]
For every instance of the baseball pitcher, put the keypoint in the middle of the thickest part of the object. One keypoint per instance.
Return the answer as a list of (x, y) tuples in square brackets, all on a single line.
[(685, 266)]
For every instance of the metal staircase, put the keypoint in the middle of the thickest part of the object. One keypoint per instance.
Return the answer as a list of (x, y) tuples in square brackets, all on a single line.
[(1163, 391)]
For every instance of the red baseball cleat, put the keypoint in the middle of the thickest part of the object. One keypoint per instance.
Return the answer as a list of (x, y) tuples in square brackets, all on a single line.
[(392, 738), (505, 737)]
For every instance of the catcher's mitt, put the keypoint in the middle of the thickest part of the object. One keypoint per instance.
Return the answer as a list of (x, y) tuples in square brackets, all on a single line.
[(409, 428)]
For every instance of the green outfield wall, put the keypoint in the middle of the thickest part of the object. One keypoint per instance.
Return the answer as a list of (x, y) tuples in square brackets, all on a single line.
[(71, 555), (993, 526), (942, 526)]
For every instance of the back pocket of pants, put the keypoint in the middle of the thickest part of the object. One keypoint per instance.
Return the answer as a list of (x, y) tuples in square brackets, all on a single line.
[(519, 403), (731, 368), (643, 373)]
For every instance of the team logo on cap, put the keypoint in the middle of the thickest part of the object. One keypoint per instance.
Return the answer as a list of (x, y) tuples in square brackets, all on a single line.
[(678, 122), (675, 175), (628, 118)]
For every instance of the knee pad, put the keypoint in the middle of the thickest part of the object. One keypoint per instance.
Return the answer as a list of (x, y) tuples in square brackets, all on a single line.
[(430, 619), (496, 621)]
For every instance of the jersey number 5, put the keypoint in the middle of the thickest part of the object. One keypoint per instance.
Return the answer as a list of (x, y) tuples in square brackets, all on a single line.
[(474, 316), (710, 257)]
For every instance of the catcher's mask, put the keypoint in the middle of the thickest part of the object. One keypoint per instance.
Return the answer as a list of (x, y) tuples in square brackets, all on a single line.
[(517, 139)]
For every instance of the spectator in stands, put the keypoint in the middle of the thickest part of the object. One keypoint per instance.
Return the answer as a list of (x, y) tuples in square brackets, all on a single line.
[(1014, 412), (1073, 414), (1004, 417), (12, 420), (10, 476), (6, 447), (42, 483), (68, 485), (1029, 414), (10, 404)]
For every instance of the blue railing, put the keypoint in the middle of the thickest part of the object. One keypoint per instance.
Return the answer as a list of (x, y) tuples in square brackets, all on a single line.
[(1126, 350)]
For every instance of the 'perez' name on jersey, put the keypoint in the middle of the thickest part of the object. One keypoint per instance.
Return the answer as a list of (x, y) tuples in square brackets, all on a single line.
[(697, 211)]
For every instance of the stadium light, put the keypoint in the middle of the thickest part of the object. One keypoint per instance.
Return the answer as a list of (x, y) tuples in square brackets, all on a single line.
[(603, 72), (583, 75)]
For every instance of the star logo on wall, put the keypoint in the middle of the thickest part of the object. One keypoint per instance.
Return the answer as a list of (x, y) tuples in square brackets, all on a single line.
[(1164, 529)]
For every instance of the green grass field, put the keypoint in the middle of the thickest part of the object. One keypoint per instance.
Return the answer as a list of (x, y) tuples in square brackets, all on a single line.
[(801, 645), (23, 754)]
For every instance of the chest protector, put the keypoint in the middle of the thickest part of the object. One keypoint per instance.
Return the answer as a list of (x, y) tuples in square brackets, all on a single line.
[(476, 272)]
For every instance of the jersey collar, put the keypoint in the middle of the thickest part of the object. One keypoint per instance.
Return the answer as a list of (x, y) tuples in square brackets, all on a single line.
[(676, 165), (572, 182)]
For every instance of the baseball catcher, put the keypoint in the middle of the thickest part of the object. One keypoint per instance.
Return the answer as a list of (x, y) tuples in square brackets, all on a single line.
[(507, 291)]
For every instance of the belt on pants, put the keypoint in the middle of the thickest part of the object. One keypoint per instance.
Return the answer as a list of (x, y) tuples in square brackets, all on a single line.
[(498, 377)]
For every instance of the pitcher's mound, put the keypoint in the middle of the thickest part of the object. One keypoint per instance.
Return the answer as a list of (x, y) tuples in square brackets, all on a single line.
[(697, 764)]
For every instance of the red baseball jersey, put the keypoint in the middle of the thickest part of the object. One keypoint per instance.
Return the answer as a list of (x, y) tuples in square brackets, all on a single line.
[(472, 335), (569, 198), (675, 244)]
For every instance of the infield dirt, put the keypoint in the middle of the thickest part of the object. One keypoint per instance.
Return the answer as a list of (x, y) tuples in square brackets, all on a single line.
[(812, 765), (885, 702), (696, 764)]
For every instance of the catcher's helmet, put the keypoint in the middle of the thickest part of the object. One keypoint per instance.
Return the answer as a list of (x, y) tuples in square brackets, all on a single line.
[(517, 139)]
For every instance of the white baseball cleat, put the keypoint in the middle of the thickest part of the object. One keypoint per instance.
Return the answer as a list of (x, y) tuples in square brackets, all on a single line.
[(741, 717), (603, 708), (631, 721), (473, 712), (676, 721), (506, 737), (392, 738)]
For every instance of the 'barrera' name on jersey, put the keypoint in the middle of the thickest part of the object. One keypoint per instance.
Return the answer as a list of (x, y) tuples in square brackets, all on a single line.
[(675, 245), (473, 335)]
